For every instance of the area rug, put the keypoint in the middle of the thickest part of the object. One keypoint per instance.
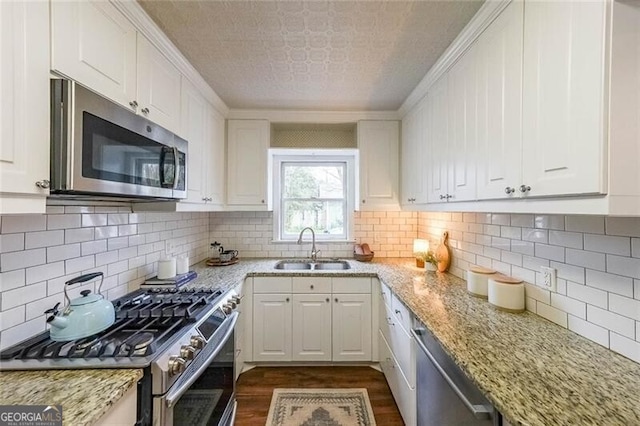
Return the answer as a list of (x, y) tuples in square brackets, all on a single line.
[(320, 407), (195, 407)]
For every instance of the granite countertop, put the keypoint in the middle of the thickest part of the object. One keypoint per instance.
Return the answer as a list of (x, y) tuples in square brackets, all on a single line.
[(85, 395), (533, 371)]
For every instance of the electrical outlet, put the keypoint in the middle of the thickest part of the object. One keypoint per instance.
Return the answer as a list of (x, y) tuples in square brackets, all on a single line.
[(549, 278)]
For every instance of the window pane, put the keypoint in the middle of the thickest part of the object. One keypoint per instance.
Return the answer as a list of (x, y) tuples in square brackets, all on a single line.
[(324, 217), (313, 181)]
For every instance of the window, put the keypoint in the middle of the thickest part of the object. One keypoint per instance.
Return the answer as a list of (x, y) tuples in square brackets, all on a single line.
[(315, 189)]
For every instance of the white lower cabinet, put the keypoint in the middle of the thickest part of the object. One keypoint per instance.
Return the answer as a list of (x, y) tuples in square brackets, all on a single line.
[(403, 392), (311, 319)]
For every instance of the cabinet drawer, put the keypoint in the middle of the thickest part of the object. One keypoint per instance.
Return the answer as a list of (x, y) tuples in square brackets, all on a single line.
[(385, 292), (401, 312), (312, 284), (351, 285), (400, 343), (272, 285), (402, 391)]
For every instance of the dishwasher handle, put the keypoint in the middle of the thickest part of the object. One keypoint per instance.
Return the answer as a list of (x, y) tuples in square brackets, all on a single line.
[(479, 411)]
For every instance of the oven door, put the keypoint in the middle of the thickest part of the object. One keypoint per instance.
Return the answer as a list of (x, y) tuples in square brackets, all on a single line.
[(205, 392)]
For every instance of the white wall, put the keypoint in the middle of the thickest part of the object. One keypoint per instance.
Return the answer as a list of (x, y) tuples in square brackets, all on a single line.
[(38, 253), (597, 258)]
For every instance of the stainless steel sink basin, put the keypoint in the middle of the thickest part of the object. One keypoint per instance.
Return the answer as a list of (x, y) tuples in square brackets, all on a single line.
[(322, 265)]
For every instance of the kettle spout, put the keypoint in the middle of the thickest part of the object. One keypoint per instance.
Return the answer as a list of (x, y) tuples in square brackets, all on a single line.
[(58, 321)]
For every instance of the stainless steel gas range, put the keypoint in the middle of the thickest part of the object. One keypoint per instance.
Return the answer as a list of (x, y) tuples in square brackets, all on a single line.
[(182, 339)]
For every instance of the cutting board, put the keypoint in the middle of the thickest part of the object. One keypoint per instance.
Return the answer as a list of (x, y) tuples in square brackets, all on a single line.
[(442, 253)]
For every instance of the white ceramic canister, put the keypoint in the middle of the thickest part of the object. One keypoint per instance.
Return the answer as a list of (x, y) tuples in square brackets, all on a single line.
[(182, 265), (506, 293), (478, 281), (166, 268)]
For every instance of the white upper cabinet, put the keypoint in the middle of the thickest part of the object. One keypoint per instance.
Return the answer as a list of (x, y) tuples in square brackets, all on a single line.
[(158, 90), (94, 44), (499, 91), (563, 97), (247, 146), (435, 120), (193, 129), (215, 159), (413, 157), (378, 143), (24, 108), (462, 129)]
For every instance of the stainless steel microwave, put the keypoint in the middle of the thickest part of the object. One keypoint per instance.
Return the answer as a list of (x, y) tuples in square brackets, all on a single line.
[(99, 148)]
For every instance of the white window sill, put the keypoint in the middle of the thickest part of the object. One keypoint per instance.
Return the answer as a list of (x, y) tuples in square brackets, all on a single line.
[(305, 241)]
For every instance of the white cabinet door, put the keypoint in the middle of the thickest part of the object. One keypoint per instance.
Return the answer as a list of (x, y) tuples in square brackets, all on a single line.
[(563, 96), (158, 87), (239, 334), (24, 108), (352, 327), (499, 78), (247, 145), (435, 120), (214, 158), (272, 327), (378, 143), (462, 129), (311, 327), (94, 44), (193, 128)]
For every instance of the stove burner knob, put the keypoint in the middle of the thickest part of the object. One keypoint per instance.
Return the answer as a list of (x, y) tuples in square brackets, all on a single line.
[(227, 309), (197, 342), (236, 299), (231, 303), (176, 365), (187, 352)]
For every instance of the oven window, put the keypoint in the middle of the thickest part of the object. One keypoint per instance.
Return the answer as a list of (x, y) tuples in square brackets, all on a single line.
[(206, 401), (113, 153)]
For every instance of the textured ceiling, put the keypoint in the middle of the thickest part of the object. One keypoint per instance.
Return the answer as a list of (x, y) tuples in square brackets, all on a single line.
[(312, 55)]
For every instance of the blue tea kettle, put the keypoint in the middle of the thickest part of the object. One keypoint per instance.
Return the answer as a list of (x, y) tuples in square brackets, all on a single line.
[(83, 316)]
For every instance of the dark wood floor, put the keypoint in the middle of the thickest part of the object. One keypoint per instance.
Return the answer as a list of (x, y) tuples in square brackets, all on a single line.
[(255, 388)]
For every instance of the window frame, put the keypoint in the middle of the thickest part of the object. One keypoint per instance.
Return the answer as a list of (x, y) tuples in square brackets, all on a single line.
[(278, 156)]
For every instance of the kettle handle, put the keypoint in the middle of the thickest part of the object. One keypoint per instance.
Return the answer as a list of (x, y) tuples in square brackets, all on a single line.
[(82, 279)]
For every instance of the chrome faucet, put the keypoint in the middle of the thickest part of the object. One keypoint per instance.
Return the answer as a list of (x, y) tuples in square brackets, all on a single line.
[(314, 252)]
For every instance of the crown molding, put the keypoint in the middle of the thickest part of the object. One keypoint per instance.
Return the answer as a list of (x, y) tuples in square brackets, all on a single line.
[(147, 27), (299, 116), (480, 21)]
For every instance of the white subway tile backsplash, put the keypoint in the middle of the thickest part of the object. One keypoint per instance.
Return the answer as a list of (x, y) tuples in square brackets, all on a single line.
[(587, 294), (21, 332), (552, 314), (627, 266), (23, 295), (103, 232), (587, 259), (535, 235), (44, 239), (624, 346), (608, 244), (12, 317), (569, 272), (549, 252), (549, 222), (523, 247), (569, 305), (11, 242), (609, 282), (589, 330), (522, 220), (585, 224), (63, 221), (12, 279), (78, 235), (627, 226), (611, 321), (501, 219), (44, 272), (58, 253), (27, 223), (118, 219), (22, 259), (538, 293), (625, 306), (565, 239), (93, 247), (95, 219), (79, 264)]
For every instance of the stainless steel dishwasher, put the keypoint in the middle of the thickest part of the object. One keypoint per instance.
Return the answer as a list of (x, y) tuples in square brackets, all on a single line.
[(445, 395)]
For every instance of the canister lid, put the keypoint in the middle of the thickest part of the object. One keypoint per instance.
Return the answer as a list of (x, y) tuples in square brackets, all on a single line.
[(481, 270), (503, 279)]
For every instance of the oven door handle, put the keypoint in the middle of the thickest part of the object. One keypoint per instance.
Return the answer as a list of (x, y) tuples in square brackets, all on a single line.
[(175, 394)]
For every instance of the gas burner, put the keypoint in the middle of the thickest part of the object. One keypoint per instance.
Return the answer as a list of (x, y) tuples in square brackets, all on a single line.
[(83, 344), (141, 341)]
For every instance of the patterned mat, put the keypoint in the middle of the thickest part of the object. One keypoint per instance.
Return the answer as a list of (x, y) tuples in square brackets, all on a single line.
[(320, 407)]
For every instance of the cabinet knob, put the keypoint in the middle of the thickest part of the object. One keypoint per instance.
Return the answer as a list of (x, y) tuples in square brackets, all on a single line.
[(509, 190), (287, 299), (145, 111), (336, 299), (327, 300), (311, 286), (525, 188), (364, 201), (133, 104), (44, 184)]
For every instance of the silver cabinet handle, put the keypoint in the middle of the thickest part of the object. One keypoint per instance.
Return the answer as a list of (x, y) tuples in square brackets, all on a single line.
[(525, 188), (145, 111), (448, 196), (133, 104), (43, 184), (509, 190), (442, 197)]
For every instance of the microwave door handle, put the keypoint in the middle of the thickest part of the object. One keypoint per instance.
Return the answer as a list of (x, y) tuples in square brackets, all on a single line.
[(176, 167)]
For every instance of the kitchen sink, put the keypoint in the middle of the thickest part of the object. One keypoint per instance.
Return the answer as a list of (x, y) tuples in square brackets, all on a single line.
[(322, 265)]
